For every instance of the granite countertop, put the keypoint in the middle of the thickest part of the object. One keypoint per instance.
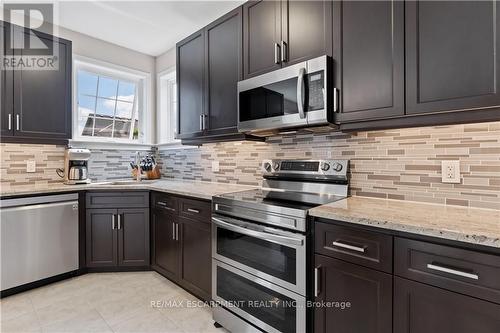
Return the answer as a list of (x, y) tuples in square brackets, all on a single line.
[(469, 225), (197, 189)]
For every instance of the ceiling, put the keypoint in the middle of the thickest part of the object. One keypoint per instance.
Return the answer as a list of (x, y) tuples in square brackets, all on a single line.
[(150, 27)]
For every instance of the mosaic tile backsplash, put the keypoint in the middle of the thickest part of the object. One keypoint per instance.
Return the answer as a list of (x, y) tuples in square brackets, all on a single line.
[(104, 164), (397, 164), (400, 164)]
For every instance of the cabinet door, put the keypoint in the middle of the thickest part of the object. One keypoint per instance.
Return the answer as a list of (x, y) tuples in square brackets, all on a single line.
[(6, 87), (419, 308), (369, 59), (165, 245), (101, 238), (196, 256), (368, 291), (223, 71), (452, 55), (261, 30), (190, 63), (42, 98), (133, 237), (306, 30)]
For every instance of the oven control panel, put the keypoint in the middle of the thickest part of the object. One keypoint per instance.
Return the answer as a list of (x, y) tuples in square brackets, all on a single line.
[(334, 168)]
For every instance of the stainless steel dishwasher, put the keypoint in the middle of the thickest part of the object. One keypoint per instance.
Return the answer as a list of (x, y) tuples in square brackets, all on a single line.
[(39, 238)]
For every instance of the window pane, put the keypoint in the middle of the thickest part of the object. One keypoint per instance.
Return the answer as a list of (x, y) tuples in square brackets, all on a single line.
[(86, 104), (122, 129), (107, 87), (86, 126), (103, 127), (124, 110), (105, 107), (87, 83), (126, 91)]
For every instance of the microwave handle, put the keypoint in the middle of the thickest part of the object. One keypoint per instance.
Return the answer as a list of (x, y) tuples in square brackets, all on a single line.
[(300, 93)]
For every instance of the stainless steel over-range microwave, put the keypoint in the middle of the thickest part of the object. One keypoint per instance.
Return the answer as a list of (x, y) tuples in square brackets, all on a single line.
[(294, 97)]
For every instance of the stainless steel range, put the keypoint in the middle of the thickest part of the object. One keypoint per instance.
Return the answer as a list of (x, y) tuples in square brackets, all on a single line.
[(260, 241)]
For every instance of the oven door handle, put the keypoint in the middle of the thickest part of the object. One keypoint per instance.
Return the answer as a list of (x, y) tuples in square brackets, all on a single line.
[(258, 234), (301, 92)]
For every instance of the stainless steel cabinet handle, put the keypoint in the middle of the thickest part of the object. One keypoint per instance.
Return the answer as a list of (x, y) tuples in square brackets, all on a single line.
[(192, 210), (452, 271), (113, 221), (201, 122), (161, 203), (177, 231), (300, 93), (17, 122), (173, 231), (284, 51), (10, 121), (349, 247), (276, 53), (204, 123), (316, 281), (335, 100), (119, 221)]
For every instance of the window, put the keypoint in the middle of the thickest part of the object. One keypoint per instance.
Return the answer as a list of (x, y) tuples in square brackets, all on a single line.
[(109, 104), (167, 107)]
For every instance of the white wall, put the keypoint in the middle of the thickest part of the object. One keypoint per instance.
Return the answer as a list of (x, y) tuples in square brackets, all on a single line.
[(165, 60)]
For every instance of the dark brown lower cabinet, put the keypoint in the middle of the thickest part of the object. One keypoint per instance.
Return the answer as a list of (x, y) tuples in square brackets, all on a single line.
[(181, 249), (419, 308), (368, 291), (117, 237), (165, 249), (196, 255)]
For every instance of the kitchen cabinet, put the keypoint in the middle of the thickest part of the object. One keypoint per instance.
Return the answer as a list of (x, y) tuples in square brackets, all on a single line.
[(419, 308), (181, 248), (452, 55), (165, 249), (209, 68), (368, 52), (37, 104), (116, 237), (281, 33), (368, 291), (400, 282), (191, 88)]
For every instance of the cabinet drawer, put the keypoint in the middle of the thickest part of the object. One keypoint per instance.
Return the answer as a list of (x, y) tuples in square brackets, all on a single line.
[(358, 246), (464, 271), (117, 200), (195, 209), (165, 202)]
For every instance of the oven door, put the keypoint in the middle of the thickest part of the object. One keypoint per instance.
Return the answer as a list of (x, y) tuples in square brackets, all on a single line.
[(295, 96), (271, 254), (263, 304)]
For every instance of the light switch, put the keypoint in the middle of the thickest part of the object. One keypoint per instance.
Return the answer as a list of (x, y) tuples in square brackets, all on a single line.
[(31, 166)]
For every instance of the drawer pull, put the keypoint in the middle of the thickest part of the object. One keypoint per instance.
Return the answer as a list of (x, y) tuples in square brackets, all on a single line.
[(161, 203), (349, 247), (316, 281), (452, 271), (192, 210)]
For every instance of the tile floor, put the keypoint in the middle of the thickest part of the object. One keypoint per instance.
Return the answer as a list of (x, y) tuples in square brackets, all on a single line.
[(107, 302)]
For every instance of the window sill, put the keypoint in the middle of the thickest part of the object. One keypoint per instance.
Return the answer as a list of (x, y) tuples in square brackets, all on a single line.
[(91, 144)]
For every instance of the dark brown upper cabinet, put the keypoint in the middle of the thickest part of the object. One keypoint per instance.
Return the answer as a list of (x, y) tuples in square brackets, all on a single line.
[(282, 33), (37, 103), (191, 86), (452, 55), (209, 66), (368, 48)]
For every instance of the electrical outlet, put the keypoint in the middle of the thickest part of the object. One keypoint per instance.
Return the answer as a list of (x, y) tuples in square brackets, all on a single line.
[(450, 172), (31, 166), (215, 166)]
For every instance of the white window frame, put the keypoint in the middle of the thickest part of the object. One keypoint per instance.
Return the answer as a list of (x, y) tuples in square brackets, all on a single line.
[(170, 116), (143, 81)]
